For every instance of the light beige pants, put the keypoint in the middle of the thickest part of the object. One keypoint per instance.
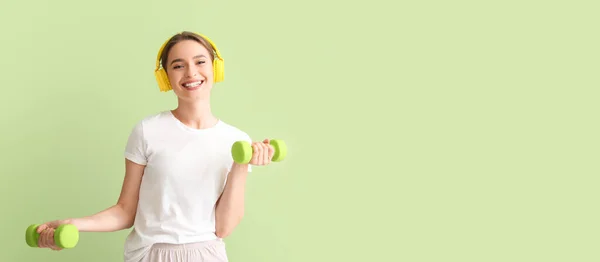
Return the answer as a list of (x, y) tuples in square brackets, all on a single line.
[(208, 251)]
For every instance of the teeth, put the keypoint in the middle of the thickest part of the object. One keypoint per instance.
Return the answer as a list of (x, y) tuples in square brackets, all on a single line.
[(194, 84)]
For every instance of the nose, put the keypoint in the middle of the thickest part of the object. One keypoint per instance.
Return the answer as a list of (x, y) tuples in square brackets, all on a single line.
[(191, 72)]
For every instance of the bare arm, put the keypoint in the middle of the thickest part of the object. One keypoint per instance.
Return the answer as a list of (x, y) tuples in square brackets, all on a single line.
[(121, 215), (117, 217), (230, 207)]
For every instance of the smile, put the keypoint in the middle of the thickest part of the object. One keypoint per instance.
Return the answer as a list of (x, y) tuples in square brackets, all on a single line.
[(193, 85)]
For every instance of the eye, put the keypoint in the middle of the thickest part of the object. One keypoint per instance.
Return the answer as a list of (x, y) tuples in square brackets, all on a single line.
[(201, 62), (177, 67)]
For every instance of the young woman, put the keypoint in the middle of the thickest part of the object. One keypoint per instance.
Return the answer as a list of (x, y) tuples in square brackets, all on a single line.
[(182, 192)]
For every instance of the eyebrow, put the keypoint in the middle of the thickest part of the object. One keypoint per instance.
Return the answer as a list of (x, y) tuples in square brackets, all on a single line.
[(181, 60)]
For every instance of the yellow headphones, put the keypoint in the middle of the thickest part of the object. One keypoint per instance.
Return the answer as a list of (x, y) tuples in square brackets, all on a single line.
[(161, 75)]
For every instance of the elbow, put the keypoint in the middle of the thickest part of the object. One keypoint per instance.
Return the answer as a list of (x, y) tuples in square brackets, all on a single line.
[(223, 233), (130, 221), (226, 226), (128, 217), (128, 225)]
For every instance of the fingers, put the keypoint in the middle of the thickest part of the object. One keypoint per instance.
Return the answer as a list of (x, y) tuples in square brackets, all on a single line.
[(49, 237), (55, 248), (44, 239), (41, 240), (259, 153), (41, 228), (256, 159), (46, 235), (269, 150), (262, 153), (265, 152), (51, 224)]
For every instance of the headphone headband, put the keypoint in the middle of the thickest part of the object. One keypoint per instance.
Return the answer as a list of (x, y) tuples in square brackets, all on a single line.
[(162, 47), (161, 74)]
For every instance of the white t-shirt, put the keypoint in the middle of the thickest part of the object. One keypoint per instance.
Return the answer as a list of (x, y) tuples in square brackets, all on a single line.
[(186, 170)]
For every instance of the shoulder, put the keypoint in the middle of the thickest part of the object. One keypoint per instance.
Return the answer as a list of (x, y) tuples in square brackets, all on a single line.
[(151, 122), (233, 132), (154, 118)]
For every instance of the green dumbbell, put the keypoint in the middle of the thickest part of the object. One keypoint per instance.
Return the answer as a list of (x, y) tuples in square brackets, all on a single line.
[(242, 151), (65, 236)]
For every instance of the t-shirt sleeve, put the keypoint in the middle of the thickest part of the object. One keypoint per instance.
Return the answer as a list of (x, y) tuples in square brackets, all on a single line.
[(135, 149)]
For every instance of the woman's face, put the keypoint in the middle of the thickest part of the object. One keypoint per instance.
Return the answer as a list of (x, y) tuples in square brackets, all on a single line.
[(190, 70)]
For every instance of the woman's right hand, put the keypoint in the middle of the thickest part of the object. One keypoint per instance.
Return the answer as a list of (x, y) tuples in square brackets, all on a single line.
[(46, 231)]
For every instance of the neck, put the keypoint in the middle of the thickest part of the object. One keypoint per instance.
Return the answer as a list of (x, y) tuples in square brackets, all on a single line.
[(196, 115)]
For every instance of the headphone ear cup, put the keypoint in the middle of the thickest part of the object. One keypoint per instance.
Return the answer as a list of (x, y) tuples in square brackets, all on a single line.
[(218, 69), (162, 80)]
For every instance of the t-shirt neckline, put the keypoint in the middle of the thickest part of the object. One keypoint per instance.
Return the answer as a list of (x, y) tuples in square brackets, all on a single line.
[(190, 129)]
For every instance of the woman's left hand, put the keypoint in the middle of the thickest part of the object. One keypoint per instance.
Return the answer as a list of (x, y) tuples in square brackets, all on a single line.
[(263, 153)]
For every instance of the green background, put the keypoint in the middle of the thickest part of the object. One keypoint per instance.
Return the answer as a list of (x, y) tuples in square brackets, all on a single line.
[(417, 130)]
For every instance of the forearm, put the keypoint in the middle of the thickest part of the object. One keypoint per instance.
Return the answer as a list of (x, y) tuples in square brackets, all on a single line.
[(112, 219), (230, 207)]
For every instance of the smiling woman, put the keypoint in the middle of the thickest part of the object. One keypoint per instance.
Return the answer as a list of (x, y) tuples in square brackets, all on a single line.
[(174, 62), (182, 191)]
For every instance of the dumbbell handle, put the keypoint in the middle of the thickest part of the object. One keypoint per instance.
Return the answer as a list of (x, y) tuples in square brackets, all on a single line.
[(65, 236), (242, 151)]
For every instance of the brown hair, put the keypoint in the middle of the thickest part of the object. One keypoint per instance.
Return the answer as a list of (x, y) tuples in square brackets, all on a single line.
[(185, 35)]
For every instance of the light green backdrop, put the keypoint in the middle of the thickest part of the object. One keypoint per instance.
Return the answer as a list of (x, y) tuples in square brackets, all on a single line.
[(418, 130)]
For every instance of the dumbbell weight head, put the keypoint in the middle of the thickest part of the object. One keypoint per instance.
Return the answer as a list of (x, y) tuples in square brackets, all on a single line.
[(241, 151), (280, 150), (31, 235), (65, 236)]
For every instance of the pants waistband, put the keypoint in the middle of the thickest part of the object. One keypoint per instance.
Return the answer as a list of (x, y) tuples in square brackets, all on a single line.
[(194, 245)]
